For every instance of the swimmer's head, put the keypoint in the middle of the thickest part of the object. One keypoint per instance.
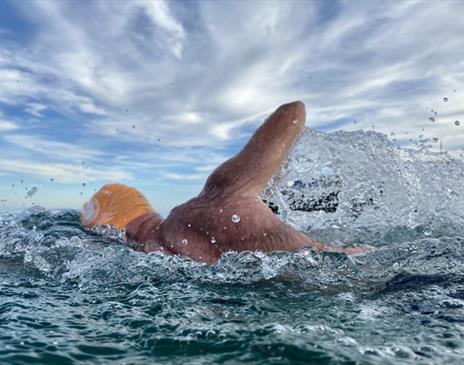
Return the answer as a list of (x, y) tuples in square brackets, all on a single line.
[(116, 205)]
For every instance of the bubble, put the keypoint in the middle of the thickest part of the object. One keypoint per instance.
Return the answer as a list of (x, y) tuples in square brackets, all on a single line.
[(185, 242), (432, 119), (457, 123), (435, 139), (133, 126), (213, 240), (445, 99), (294, 122), (84, 184), (51, 180), (235, 218), (189, 225)]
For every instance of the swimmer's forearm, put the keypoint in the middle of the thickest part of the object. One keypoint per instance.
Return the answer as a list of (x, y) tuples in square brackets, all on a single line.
[(351, 250), (263, 155)]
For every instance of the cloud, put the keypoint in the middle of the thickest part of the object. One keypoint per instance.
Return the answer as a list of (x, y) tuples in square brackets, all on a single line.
[(62, 172), (6, 125), (35, 109), (173, 31), (160, 89), (53, 149)]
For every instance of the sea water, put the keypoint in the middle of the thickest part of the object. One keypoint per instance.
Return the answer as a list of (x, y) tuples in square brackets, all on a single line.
[(70, 295)]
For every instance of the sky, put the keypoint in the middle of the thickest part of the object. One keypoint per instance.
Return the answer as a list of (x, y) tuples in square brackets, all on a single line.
[(156, 94)]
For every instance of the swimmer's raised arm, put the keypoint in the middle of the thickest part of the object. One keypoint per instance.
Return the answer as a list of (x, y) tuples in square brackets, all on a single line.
[(249, 171)]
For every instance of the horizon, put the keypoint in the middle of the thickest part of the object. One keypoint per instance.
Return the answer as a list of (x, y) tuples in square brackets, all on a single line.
[(157, 94)]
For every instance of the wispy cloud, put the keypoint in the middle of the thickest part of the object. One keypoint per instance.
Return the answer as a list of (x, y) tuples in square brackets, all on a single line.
[(6, 125), (164, 90), (62, 172), (53, 149)]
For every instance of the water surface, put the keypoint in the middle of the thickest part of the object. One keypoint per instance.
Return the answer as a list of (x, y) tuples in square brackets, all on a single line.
[(74, 296)]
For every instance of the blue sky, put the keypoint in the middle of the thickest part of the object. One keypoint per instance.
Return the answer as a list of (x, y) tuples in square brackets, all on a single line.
[(156, 94)]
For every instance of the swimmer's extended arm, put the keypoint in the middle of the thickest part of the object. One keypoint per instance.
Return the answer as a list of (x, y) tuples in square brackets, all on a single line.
[(250, 170)]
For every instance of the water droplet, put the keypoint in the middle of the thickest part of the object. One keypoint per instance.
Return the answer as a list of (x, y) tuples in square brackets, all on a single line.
[(133, 126), (32, 191), (355, 121), (189, 225), (445, 99), (432, 119), (294, 122), (457, 123), (84, 185), (185, 242), (235, 218), (435, 139), (51, 180), (221, 210), (213, 240)]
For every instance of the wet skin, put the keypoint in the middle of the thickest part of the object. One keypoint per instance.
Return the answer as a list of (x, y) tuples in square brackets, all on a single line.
[(203, 228)]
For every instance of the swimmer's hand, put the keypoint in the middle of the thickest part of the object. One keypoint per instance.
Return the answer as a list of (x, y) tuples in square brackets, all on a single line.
[(351, 251), (358, 250)]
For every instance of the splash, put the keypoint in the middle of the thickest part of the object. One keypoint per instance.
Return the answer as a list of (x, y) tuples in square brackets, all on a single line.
[(356, 187), (90, 297)]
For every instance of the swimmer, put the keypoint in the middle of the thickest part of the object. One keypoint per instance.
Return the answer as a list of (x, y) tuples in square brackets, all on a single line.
[(227, 215)]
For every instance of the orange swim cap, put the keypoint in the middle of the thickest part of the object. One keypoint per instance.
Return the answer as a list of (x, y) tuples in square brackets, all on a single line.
[(116, 205)]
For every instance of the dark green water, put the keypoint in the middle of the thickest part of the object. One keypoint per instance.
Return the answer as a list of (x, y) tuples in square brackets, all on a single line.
[(70, 296), (73, 296)]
